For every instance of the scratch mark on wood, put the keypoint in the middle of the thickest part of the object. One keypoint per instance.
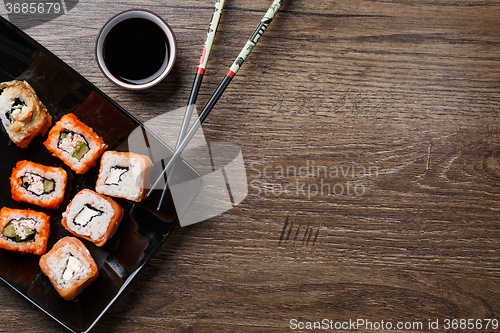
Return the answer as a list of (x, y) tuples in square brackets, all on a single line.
[(428, 156), (309, 236), (284, 229), (290, 231), (316, 237), (304, 238), (297, 233)]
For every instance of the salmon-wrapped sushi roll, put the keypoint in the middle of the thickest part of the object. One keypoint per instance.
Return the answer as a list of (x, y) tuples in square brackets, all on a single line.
[(24, 230), (92, 216), (69, 267), (75, 143), (23, 114), (38, 184), (124, 175)]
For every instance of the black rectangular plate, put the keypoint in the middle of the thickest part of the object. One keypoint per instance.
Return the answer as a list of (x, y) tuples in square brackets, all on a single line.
[(142, 230)]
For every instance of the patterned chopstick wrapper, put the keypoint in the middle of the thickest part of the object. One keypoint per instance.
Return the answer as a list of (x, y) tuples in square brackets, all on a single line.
[(259, 31), (214, 22)]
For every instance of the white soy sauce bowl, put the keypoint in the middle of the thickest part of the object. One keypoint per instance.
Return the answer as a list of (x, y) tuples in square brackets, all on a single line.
[(114, 66)]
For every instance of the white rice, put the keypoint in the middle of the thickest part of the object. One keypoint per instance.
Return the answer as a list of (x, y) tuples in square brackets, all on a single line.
[(58, 178), (20, 216), (91, 144), (33, 124), (58, 264), (132, 181), (6, 100), (98, 225)]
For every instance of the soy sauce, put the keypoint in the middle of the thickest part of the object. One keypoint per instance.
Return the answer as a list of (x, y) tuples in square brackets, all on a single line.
[(136, 50)]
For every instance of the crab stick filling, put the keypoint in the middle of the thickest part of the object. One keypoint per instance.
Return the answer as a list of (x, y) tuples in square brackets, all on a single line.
[(73, 143), (20, 230), (37, 184)]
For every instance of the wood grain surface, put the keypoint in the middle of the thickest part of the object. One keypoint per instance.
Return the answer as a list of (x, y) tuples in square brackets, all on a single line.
[(371, 138)]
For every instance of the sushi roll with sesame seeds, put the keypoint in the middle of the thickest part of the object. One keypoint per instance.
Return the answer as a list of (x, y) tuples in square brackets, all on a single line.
[(76, 144), (22, 113), (69, 267), (38, 184), (24, 230), (92, 216), (124, 175)]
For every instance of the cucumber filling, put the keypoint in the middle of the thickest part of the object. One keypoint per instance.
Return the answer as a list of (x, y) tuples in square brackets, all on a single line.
[(115, 175), (37, 184), (16, 108), (74, 144), (22, 230), (80, 150)]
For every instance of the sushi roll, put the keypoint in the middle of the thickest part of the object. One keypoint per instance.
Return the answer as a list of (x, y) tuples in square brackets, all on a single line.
[(23, 114), (24, 230), (92, 216), (75, 143), (124, 175), (69, 267), (38, 184)]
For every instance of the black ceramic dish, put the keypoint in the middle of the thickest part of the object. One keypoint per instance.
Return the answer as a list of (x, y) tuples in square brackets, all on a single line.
[(142, 230)]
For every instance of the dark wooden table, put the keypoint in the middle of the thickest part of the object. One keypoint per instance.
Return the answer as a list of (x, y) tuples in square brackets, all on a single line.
[(391, 110)]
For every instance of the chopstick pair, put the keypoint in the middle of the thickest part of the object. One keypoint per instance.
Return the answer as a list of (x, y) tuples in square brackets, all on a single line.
[(184, 138), (200, 71)]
